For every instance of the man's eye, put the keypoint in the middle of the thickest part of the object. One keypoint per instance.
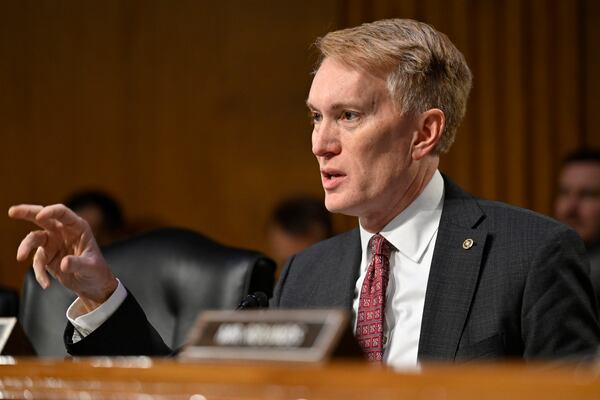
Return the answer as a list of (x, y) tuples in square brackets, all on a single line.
[(349, 116), (315, 117), (590, 194)]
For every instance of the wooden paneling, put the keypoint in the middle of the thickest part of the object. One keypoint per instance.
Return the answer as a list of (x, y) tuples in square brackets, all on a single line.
[(193, 112), (590, 84), (539, 98), (513, 101)]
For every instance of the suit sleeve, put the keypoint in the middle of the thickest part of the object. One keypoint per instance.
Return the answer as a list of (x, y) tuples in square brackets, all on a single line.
[(127, 332), (559, 315)]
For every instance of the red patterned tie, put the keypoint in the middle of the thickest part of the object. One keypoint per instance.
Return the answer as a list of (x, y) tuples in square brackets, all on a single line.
[(369, 324)]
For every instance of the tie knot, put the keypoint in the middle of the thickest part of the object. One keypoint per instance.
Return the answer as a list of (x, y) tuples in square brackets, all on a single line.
[(378, 245)]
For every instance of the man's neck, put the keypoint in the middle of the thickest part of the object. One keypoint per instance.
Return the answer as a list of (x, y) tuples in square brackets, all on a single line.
[(376, 223)]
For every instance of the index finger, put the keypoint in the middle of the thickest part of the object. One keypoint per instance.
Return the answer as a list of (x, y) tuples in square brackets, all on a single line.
[(26, 212), (60, 213)]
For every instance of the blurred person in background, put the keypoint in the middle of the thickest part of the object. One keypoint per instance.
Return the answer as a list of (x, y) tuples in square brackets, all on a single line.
[(102, 212), (295, 224), (578, 203)]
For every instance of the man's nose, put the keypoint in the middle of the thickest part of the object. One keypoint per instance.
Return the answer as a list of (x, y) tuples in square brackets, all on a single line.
[(325, 139)]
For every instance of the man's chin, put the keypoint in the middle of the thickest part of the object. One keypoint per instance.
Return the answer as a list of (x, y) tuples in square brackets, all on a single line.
[(338, 207), (331, 205)]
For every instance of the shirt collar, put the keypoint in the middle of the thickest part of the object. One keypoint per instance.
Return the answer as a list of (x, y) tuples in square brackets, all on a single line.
[(411, 231)]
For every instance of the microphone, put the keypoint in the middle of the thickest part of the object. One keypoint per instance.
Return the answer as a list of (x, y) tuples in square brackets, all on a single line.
[(254, 300)]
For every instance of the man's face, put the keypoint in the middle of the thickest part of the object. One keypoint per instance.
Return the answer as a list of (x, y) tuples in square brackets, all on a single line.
[(578, 201), (361, 141)]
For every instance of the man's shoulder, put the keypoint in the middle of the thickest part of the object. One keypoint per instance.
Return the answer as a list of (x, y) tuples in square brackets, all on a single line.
[(495, 214), (516, 234), (505, 213)]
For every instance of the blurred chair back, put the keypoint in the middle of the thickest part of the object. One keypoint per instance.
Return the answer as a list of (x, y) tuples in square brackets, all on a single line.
[(173, 273), (9, 302)]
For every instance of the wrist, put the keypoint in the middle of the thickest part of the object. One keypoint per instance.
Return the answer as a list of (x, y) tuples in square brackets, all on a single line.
[(101, 296)]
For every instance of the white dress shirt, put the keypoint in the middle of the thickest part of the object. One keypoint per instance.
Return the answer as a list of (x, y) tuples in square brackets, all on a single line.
[(413, 233), (86, 323)]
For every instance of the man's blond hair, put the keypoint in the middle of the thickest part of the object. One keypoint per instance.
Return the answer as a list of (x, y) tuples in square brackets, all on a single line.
[(424, 69)]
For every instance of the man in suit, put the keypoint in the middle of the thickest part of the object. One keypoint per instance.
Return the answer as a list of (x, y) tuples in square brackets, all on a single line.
[(431, 273), (577, 203)]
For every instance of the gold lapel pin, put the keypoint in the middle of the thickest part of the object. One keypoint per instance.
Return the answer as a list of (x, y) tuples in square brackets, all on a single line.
[(468, 243)]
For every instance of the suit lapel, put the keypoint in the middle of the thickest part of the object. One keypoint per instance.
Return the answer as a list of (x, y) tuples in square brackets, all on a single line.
[(453, 275)]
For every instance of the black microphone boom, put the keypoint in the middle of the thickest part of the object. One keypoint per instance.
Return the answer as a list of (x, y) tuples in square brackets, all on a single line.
[(253, 301)]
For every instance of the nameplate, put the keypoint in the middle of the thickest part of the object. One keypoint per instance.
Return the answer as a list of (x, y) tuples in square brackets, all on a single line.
[(269, 335)]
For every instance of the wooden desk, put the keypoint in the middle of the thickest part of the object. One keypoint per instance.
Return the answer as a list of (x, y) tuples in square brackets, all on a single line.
[(144, 378)]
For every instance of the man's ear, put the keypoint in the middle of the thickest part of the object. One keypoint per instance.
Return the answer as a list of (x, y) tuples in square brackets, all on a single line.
[(429, 128)]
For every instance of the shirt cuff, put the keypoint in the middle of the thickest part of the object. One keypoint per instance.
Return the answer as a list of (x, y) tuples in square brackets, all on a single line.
[(86, 323)]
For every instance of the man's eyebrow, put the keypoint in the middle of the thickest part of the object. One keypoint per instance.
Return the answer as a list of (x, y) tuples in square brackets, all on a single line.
[(339, 106)]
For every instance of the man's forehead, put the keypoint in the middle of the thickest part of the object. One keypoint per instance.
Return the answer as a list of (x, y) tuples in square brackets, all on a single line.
[(336, 85), (583, 166), (579, 174)]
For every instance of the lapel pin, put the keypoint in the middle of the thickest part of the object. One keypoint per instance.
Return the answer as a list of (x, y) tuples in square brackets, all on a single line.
[(468, 243)]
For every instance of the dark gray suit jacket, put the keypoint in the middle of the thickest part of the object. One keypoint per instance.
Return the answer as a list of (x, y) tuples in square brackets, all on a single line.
[(593, 254), (523, 289)]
